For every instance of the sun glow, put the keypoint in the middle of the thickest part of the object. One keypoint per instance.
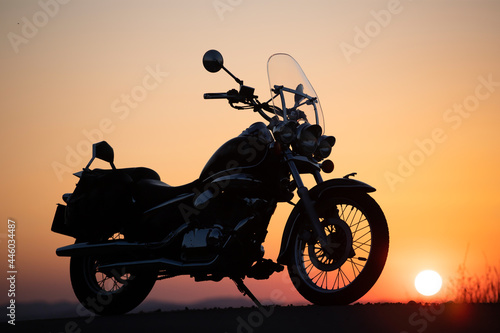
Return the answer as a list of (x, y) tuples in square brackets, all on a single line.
[(428, 282)]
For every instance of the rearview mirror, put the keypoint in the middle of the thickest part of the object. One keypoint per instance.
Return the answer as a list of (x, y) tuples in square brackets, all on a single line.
[(213, 61), (103, 151)]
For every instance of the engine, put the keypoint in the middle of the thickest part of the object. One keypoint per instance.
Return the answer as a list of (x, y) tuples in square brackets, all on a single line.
[(201, 243)]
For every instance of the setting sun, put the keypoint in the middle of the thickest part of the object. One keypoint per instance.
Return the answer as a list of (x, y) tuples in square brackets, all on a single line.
[(428, 282)]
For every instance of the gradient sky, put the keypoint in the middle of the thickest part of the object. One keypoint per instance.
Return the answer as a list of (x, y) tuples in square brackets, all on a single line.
[(410, 89)]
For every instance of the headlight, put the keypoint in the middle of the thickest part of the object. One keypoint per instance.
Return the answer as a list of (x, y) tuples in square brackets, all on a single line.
[(325, 144), (307, 138), (285, 132)]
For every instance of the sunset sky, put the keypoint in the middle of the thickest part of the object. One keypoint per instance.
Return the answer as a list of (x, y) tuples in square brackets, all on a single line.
[(410, 89)]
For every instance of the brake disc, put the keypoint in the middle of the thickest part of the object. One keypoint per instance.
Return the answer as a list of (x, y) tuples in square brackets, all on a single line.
[(339, 246)]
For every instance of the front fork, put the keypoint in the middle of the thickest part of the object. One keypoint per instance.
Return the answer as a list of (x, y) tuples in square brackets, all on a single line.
[(303, 193)]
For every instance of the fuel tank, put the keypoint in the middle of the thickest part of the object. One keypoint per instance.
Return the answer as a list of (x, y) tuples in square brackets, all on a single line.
[(246, 151)]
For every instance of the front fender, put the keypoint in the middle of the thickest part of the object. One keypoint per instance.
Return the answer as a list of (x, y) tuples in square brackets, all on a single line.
[(316, 193)]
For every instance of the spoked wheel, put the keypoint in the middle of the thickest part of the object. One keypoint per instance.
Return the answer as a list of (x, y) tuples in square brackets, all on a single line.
[(109, 292), (358, 239)]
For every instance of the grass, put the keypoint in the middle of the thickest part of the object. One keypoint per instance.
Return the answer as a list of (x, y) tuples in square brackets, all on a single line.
[(472, 288)]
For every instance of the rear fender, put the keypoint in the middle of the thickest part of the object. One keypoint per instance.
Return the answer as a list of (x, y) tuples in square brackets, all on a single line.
[(317, 193)]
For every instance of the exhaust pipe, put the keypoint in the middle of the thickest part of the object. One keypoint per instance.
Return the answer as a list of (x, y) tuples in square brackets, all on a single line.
[(118, 247), (163, 263), (122, 248)]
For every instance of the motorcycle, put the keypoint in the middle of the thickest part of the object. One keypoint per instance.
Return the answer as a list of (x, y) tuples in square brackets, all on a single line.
[(132, 229)]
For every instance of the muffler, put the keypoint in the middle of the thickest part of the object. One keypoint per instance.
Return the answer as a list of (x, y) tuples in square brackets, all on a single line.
[(116, 247), (173, 266)]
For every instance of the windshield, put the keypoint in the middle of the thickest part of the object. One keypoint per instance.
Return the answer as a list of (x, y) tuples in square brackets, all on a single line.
[(291, 91)]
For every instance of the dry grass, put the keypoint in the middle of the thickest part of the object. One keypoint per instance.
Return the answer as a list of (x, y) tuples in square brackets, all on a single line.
[(472, 288)]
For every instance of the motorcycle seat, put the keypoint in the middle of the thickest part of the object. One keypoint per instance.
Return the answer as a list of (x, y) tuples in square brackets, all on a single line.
[(152, 192), (135, 173), (139, 173)]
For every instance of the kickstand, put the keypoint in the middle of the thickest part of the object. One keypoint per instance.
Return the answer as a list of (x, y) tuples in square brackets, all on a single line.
[(245, 291)]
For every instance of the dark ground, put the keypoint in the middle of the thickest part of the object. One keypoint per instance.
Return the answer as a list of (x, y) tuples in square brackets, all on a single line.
[(447, 317)]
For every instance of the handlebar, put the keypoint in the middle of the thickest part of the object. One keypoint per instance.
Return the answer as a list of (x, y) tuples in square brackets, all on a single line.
[(245, 96), (215, 95)]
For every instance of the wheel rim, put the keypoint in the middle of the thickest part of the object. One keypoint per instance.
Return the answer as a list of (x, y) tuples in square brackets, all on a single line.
[(331, 273), (107, 282)]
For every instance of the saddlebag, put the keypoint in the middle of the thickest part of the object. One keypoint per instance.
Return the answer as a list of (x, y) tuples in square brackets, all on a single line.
[(59, 223), (101, 205)]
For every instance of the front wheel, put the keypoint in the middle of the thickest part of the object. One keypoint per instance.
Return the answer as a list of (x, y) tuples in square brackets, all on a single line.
[(357, 231), (109, 292)]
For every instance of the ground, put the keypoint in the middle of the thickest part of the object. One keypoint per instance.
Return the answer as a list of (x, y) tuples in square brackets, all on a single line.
[(411, 317)]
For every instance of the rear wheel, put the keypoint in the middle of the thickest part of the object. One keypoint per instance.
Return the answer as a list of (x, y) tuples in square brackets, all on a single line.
[(109, 292), (357, 231)]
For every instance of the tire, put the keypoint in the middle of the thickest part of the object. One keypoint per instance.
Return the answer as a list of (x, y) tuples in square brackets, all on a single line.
[(111, 293), (344, 276)]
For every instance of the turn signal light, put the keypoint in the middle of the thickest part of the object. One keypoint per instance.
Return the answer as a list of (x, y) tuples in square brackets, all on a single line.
[(327, 166)]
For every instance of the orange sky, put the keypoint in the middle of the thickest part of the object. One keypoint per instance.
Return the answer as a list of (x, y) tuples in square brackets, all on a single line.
[(410, 89)]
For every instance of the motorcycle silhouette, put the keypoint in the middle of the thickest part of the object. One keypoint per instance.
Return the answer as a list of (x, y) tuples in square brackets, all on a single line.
[(132, 229)]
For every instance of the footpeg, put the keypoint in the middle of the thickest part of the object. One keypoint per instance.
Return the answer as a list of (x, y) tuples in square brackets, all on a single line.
[(263, 269)]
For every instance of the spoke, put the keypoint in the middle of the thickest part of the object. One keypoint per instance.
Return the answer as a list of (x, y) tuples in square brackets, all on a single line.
[(362, 249), (324, 277), (365, 247), (366, 242), (102, 281), (361, 219), (353, 216), (336, 281), (318, 276), (342, 210), (345, 212), (359, 229), (344, 275), (354, 266), (367, 233), (354, 211), (341, 279), (359, 267), (311, 268)]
